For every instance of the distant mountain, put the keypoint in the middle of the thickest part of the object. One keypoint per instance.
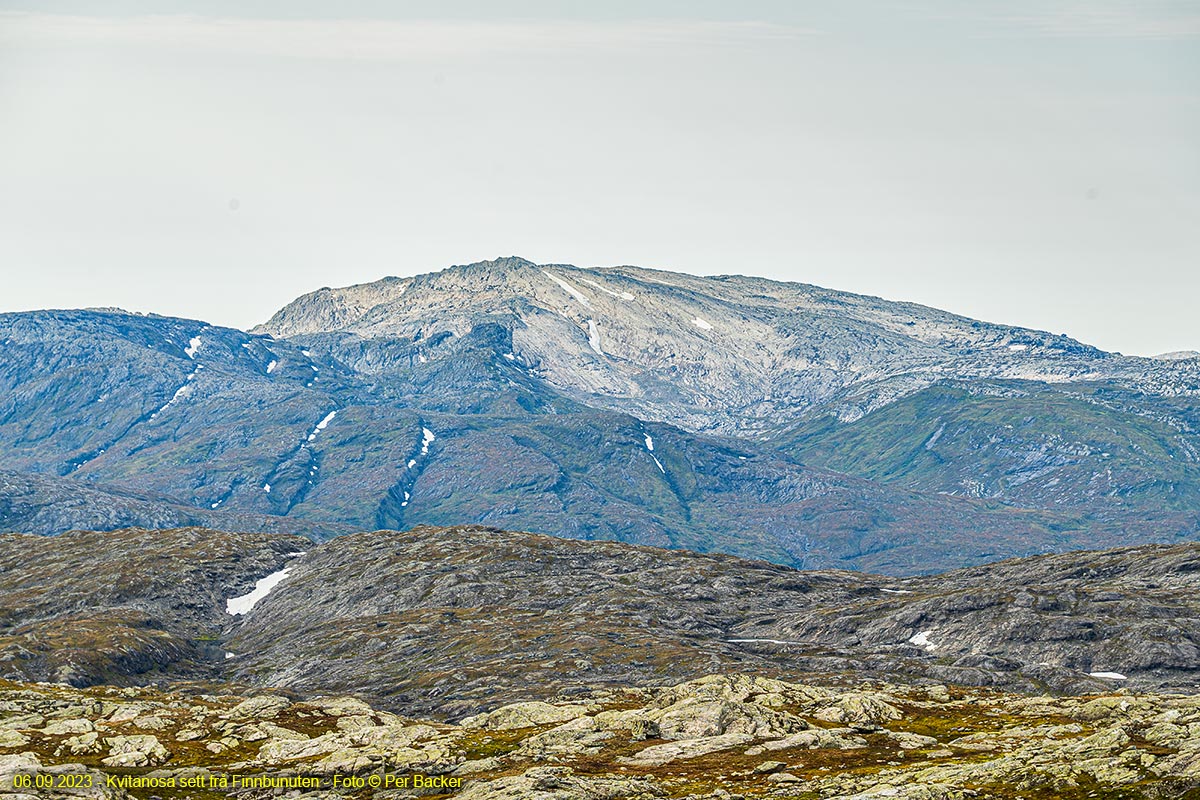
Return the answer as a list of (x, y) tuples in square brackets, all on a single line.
[(447, 621), (808, 427), (730, 354), (51, 503)]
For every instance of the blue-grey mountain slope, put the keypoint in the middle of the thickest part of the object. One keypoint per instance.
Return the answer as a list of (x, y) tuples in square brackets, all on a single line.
[(714, 414)]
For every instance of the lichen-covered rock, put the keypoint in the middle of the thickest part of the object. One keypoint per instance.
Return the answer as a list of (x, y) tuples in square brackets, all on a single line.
[(259, 708), (560, 783), (524, 715), (135, 751), (659, 754), (64, 727), (986, 743), (860, 709), (814, 739)]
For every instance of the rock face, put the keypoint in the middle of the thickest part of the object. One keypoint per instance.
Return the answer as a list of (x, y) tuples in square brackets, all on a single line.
[(713, 414), (448, 622), (87, 608), (53, 504), (932, 742), (730, 353)]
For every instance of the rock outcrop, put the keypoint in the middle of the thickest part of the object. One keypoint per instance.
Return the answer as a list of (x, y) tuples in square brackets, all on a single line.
[(447, 622), (771, 738)]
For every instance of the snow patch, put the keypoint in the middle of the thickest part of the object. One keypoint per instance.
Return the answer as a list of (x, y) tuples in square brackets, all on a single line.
[(703, 325), (1016, 348), (321, 425), (594, 336), (267, 488), (262, 587), (922, 640), (228, 655), (620, 295), (193, 346), (421, 357), (936, 435), (271, 367), (1112, 676), (412, 462), (569, 289), (649, 442), (181, 392), (427, 438)]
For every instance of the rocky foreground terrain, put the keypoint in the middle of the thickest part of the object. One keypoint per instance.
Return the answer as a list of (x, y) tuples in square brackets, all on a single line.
[(445, 622), (719, 737), (483, 664)]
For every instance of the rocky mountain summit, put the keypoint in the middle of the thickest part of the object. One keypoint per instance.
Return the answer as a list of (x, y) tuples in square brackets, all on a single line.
[(714, 738), (728, 414), (448, 621), (732, 354)]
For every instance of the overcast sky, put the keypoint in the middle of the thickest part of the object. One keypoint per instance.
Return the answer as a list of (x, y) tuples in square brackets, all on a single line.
[(1035, 163)]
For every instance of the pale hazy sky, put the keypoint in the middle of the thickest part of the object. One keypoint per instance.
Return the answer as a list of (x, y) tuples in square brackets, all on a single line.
[(1034, 163)]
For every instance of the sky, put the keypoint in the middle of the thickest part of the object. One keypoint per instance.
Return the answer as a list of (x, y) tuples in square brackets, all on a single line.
[(1031, 163)]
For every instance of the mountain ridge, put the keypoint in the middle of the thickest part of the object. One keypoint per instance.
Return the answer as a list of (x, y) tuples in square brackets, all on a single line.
[(528, 292), (384, 613), (812, 427)]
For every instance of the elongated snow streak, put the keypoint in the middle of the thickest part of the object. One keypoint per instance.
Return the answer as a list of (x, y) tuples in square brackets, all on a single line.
[(767, 641), (271, 367), (650, 449), (896, 591), (193, 346), (321, 425), (1112, 676), (569, 289), (594, 337), (936, 435), (182, 391), (242, 605), (620, 295), (703, 325)]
